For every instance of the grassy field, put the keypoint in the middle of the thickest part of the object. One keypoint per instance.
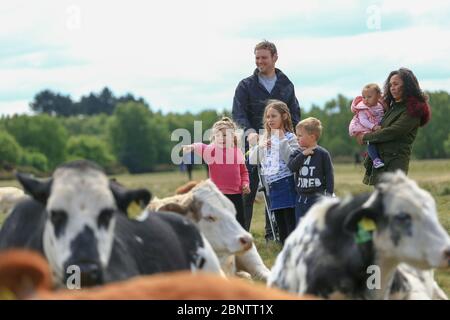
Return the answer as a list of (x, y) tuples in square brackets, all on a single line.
[(433, 175)]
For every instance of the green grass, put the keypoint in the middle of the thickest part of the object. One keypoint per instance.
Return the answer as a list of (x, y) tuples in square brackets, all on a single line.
[(433, 175)]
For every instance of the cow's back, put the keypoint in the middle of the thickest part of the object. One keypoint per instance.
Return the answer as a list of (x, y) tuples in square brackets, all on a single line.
[(153, 245), (24, 227)]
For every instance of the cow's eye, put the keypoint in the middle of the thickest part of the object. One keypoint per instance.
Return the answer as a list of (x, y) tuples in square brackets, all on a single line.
[(104, 218), (210, 218), (403, 218), (59, 221)]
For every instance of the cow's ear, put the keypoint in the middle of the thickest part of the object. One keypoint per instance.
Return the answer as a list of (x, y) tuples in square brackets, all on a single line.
[(124, 196), (140, 196), (38, 189), (195, 209), (371, 209), (174, 207)]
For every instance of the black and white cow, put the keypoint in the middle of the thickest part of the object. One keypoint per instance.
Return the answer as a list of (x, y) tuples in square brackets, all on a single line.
[(340, 247), (78, 218)]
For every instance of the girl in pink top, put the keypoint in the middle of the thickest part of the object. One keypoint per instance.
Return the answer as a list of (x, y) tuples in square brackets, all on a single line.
[(226, 163), (368, 114)]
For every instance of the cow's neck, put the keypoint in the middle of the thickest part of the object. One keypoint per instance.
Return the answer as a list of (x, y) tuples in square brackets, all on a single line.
[(387, 269), (227, 263)]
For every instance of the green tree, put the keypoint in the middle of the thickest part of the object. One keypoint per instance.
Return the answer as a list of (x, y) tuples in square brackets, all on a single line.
[(42, 133), (10, 150), (34, 159), (90, 148), (447, 145), (430, 139), (52, 103), (96, 125), (133, 138), (335, 117)]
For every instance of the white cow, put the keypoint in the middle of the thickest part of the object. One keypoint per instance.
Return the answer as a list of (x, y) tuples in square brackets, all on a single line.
[(373, 246), (215, 215), (77, 220), (9, 197)]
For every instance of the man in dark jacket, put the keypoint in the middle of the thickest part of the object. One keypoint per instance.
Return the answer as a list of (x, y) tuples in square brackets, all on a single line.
[(249, 103)]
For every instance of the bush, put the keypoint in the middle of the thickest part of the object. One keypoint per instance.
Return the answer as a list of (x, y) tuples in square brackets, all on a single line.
[(10, 150), (89, 148), (41, 133), (35, 159)]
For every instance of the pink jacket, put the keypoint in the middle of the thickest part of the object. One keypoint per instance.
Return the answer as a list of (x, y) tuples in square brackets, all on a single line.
[(365, 117), (226, 167)]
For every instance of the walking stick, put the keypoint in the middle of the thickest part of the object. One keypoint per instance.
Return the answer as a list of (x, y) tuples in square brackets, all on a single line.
[(270, 214)]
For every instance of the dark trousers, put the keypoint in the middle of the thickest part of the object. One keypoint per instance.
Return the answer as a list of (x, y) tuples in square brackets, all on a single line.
[(285, 221), (302, 204), (249, 199), (239, 205), (189, 171), (372, 151)]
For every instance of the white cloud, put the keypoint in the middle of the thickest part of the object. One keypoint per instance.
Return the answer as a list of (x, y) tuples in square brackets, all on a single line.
[(187, 54), (14, 107)]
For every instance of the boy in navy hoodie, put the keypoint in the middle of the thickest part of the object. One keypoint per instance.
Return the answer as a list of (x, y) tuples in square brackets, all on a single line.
[(311, 165)]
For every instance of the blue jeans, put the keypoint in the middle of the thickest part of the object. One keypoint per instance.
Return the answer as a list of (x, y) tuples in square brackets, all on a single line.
[(373, 152), (302, 204)]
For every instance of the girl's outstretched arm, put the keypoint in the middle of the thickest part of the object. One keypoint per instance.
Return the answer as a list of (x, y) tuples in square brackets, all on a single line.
[(188, 148), (198, 148)]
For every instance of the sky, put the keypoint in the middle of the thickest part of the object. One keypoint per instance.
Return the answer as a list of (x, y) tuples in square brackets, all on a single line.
[(190, 55)]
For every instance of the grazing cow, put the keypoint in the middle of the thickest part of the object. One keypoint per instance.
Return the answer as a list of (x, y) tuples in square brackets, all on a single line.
[(26, 275), (77, 218), (353, 248), (215, 215), (9, 197)]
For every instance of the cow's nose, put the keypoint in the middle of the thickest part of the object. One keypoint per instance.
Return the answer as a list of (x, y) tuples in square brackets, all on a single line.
[(88, 274), (91, 274), (246, 242)]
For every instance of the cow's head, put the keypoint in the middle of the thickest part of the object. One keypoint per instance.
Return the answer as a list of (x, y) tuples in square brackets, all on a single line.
[(218, 220), (408, 229), (214, 214), (81, 206)]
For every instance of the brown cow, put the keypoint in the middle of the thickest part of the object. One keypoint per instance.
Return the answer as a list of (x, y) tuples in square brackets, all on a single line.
[(26, 275)]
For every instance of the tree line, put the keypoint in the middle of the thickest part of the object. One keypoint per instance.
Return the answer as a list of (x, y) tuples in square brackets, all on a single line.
[(125, 134), (57, 104)]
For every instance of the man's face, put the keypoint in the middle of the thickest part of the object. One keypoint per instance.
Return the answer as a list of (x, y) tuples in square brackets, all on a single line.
[(265, 62)]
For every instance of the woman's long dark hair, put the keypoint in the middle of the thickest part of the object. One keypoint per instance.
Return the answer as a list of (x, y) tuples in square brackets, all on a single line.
[(411, 87)]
